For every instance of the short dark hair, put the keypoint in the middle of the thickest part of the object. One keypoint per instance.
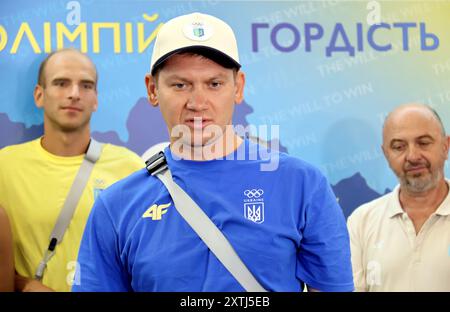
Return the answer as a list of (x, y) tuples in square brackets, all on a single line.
[(41, 75)]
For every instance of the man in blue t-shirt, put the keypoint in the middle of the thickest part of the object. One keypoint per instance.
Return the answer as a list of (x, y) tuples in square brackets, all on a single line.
[(278, 212)]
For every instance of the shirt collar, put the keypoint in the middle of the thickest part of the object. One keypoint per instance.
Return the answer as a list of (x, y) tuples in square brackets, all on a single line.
[(444, 207), (395, 208)]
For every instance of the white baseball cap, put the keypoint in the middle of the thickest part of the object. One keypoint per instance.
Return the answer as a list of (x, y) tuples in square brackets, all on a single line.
[(198, 33)]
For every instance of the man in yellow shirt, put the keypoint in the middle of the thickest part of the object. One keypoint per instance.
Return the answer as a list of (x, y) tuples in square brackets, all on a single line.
[(35, 177)]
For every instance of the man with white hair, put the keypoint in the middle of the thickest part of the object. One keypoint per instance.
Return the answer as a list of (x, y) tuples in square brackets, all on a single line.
[(401, 241)]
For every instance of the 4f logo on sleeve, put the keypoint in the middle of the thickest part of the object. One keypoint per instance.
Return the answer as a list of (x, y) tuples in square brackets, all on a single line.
[(254, 205), (156, 211)]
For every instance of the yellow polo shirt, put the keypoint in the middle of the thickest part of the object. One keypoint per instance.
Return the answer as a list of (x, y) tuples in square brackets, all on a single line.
[(387, 255), (33, 187)]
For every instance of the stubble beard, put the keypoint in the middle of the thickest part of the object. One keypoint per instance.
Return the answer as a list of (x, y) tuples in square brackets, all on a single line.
[(422, 182)]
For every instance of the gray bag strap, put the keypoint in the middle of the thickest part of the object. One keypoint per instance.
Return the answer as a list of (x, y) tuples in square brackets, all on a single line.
[(206, 229), (70, 204)]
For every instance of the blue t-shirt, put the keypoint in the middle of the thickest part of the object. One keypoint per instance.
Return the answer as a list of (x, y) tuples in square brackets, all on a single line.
[(285, 225)]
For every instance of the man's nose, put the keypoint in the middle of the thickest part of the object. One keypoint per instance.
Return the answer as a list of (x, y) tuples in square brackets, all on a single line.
[(74, 92), (413, 154), (198, 100)]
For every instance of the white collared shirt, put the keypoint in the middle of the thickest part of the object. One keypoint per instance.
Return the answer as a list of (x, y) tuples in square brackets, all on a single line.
[(387, 255)]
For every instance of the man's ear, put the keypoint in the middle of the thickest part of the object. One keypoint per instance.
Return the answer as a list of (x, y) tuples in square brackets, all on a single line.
[(150, 84), (94, 109), (446, 146), (38, 95), (240, 84)]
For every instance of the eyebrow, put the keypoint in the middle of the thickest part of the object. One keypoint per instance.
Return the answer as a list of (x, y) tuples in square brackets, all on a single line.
[(88, 81), (425, 136), (67, 79), (396, 141), (60, 79), (177, 77)]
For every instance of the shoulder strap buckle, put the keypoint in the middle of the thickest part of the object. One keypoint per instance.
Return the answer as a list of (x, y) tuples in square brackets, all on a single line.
[(156, 164)]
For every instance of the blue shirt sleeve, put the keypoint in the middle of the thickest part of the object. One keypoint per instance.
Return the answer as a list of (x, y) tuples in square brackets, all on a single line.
[(323, 261), (99, 264)]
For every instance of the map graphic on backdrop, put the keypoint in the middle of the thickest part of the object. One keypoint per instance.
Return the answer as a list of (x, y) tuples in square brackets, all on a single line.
[(146, 128), (317, 69)]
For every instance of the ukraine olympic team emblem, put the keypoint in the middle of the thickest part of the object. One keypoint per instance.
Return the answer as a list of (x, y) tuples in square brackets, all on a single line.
[(254, 205), (198, 32), (254, 212)]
